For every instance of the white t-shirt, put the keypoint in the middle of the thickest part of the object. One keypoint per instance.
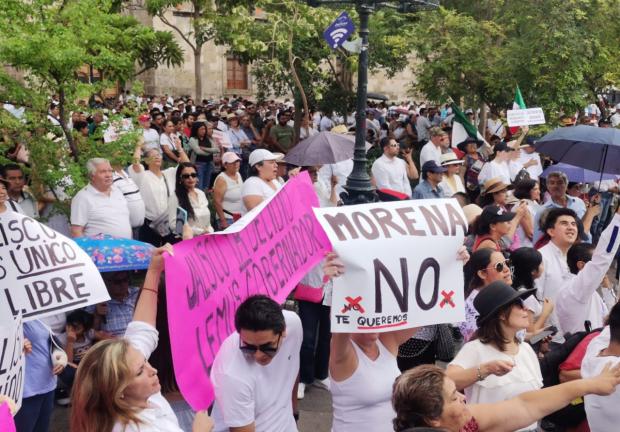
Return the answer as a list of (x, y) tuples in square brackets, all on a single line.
[(131, 192), (535, 170), (602, 411), (524, 377), (341, 169), (154, 191), (495, 169), (100, 213), (246, 392), (430, 152), (391, 173), (256, 186)]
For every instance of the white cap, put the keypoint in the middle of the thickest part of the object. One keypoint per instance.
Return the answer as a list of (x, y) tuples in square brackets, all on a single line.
[(260, 155), (230, 157)]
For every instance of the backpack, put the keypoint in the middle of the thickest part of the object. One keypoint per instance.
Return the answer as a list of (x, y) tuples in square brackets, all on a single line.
[(575, 412)]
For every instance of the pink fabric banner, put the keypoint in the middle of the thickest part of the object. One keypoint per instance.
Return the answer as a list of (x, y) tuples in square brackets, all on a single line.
[(268, 252), (6, 419)]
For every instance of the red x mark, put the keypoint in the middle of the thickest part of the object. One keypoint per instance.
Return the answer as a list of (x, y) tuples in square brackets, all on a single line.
[(447, 298), (354, 303)]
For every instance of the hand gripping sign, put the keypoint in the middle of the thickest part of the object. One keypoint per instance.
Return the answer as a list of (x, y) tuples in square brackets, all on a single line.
[(267, 252), (43, 272), (401, 264)]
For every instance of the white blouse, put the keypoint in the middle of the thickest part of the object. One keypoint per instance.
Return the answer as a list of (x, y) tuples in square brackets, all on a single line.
[(201, 222)]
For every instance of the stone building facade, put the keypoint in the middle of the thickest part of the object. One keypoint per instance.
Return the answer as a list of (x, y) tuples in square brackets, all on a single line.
[(222, 75)]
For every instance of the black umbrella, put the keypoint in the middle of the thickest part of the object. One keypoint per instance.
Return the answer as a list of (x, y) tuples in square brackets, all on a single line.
[(377, 96), (593, 148)]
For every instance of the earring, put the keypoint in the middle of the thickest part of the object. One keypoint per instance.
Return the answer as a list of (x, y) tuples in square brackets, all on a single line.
[(122, 396)]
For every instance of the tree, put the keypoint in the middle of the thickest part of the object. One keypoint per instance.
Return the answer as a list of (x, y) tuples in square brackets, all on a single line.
[(48, 42), (201, 14)]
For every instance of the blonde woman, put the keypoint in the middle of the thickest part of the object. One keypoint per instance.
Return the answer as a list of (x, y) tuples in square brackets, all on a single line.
[(116, 389)]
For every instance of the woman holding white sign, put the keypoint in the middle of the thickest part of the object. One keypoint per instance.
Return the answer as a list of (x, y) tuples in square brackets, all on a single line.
[(362, 370), (116, 389)]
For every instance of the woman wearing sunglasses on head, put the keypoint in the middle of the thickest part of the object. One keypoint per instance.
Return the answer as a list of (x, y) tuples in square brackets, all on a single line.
[(484, 266), (192, 200), (495, 365)]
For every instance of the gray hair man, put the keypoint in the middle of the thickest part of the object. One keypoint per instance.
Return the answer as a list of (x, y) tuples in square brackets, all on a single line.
[(100, 207)]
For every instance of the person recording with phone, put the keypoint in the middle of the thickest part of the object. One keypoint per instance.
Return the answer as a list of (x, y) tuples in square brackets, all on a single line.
[(188, 204)]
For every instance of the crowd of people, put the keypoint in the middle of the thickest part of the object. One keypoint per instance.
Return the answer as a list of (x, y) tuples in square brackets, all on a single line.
[(542, 323)]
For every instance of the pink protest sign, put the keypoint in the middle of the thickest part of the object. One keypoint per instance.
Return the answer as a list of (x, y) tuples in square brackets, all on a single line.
[(267, 252), (6, 419)]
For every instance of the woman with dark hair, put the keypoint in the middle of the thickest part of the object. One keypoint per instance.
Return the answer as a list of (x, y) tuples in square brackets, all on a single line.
[(493, 224), (427, 397), (528, 266), (202, 150), (528, 191), (169, 141), (484, 266), (495, 365), (191, 199)]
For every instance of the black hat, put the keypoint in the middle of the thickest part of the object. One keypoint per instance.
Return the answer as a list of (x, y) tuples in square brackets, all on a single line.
[(461, 146), (502, 146), (493, 214), (432, 166), (494, 297)]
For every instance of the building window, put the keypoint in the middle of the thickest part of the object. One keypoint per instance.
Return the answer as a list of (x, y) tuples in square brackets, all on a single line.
[(236, 74)]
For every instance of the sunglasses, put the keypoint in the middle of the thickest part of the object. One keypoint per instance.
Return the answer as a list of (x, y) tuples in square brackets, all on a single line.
[(268, 349), (190, 175), (499, 267)]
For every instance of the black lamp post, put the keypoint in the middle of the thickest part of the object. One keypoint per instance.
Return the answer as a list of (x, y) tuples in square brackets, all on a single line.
[(359, 188)]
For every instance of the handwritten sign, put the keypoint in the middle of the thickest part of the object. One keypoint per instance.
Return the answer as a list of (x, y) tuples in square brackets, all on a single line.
[(12, 359), (401, 264), (525, 117), (6, 419), (268, 251), (43, 272)]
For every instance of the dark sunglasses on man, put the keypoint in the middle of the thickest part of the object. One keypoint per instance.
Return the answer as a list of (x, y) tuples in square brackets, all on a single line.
[(270, 349)]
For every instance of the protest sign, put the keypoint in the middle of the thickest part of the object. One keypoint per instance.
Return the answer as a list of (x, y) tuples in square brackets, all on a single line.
[(525, 117), (6, 419), (401, 264), (43, 272), (267, 251), (12, 359)]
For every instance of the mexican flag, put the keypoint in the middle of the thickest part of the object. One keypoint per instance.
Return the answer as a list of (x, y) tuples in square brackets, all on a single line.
[(518, 103), (462, 128)]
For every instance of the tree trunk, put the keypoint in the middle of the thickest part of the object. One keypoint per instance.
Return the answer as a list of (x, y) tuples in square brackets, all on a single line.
[(482, 125), (63, 123), (300, 88), (198, 73)]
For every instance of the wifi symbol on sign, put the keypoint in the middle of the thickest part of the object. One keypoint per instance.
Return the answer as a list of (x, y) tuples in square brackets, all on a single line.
[(337, 35)]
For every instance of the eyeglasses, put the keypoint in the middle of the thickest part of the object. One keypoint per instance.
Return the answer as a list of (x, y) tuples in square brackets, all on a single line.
[(186, 176), (268, 349), (499, 267)]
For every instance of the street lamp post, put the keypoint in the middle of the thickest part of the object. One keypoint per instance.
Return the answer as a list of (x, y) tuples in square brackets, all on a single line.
[(359, 188)]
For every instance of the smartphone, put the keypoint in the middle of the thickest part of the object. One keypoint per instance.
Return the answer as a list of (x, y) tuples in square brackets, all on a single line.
[(548, 331), (182, 214)]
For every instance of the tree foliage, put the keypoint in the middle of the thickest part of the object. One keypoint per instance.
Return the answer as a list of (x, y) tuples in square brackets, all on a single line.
[(560, 52)]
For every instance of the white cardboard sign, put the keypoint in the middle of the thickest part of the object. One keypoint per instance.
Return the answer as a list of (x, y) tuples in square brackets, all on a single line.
[(43, 272), (401, 264), (12, 358), (525, 117)]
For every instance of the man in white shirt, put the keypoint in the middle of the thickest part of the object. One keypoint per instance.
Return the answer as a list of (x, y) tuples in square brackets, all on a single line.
[(495, 126), (602, 411), (100, 208), (561, 228), (498, 167), (578, 300), (15, 183), (390, 172), (326, 123), (615, 117), (255, 370), (433, 149)]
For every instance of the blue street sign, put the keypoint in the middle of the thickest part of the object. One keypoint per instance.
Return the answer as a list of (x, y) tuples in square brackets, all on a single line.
[(339, 30)]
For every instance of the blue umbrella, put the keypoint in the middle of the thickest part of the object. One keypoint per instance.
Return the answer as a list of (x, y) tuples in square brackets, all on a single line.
[(116, 254), (596, 149), (577, 174)]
